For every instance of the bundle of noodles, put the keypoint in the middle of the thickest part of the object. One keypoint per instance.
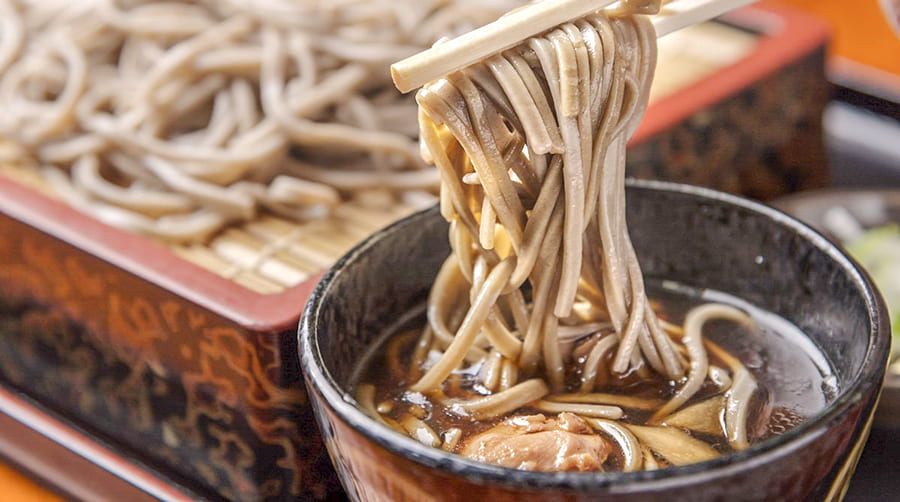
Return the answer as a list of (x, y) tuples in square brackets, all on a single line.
[(542, 296), (531, 146), (175, 118)]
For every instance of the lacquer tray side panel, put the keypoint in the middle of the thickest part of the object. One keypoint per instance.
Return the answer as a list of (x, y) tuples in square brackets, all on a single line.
[(754, 128), (763, 142), (189, 391)]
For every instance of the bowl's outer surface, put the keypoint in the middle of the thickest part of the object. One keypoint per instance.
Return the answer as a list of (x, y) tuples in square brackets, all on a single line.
[(681, 233)]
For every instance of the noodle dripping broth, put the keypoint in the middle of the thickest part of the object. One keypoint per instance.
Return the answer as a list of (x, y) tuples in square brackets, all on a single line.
[(541, 349)]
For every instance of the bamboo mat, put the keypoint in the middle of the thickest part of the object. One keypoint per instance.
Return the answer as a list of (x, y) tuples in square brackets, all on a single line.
[(271, 254), (696, 52)]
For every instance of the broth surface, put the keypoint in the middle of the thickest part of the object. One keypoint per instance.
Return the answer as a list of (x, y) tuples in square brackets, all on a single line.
[(795, 381)]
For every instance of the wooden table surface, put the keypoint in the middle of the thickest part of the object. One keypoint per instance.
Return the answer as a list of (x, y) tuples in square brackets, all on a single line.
[(16, 487), (861, 31)]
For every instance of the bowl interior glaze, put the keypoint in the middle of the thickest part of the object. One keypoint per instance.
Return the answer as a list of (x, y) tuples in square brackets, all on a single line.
[(871, 208)]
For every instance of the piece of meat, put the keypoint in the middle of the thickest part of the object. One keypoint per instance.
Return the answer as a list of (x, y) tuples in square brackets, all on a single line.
[(538, 443)]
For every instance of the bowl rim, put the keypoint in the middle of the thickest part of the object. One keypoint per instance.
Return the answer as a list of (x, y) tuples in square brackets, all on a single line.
[(867, 376), (792, 203)]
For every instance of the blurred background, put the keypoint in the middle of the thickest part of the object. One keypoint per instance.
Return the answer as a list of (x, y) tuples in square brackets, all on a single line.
[(864, 65)]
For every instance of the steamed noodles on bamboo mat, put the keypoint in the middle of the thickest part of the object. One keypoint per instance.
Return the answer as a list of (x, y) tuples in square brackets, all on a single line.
[(176, 118), (166, 119), (541, 349)]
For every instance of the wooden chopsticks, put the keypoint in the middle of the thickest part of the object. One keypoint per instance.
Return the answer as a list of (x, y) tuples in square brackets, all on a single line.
[(533, 19), (680, 14)]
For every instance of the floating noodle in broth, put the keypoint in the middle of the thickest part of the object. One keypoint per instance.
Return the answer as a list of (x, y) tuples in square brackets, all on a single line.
[(541, 349)]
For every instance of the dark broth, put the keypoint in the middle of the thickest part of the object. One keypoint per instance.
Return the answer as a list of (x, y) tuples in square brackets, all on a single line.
[(794, 379)]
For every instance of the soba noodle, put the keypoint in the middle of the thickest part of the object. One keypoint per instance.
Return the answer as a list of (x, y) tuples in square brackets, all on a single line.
[(174, 118), (541, 210), (543, 286)]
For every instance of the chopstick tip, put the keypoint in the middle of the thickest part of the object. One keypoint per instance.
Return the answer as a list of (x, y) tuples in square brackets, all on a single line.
[(398, 77)]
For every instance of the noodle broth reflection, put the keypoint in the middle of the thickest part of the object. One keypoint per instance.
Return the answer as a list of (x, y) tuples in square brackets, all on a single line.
[(793, 383)]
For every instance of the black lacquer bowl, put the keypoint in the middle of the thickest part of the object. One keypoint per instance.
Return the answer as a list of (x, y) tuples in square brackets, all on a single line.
[(870, 207), (686, 234)]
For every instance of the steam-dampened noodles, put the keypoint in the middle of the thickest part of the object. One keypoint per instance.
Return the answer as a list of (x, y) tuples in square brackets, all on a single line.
[(541, 349), (175, 118)]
